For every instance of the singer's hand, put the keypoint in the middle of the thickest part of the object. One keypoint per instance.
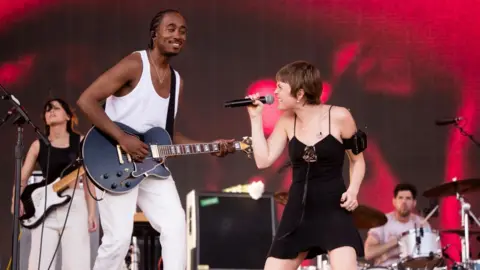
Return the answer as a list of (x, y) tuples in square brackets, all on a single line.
[(255, 110)]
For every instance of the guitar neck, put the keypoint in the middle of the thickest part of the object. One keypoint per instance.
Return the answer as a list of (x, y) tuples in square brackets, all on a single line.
[(69, 178), (188, 149)]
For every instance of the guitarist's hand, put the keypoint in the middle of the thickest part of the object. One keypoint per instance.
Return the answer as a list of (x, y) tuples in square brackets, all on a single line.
[(226, 147), (137, 149)]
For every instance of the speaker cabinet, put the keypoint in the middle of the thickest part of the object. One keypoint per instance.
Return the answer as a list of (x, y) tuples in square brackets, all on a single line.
[(229, 230)]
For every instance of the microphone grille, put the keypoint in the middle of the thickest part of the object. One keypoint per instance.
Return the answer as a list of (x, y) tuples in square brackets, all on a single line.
[(269, 99)]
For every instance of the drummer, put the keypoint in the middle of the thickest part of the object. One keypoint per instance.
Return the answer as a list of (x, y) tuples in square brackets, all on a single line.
[(381, 245)]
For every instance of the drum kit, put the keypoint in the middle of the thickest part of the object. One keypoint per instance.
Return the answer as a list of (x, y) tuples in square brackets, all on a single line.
[(420, 247)]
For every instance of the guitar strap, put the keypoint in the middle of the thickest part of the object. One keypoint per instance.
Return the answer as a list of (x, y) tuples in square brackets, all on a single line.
[(169, 127)]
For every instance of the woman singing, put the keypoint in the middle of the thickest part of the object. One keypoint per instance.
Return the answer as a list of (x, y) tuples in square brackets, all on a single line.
[(317, 218), (75, 242)]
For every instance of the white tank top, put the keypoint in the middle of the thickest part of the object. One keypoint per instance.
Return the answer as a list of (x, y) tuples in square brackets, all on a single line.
[(142, 108)]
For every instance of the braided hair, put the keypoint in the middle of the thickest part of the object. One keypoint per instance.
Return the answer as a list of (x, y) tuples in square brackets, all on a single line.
[(157, 19)]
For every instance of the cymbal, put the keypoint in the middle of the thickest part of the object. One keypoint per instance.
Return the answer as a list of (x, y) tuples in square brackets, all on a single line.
[(451, 188), (461, 232), (364, 217)]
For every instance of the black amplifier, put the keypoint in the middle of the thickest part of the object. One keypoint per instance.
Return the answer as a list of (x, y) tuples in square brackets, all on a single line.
[(229, 230)]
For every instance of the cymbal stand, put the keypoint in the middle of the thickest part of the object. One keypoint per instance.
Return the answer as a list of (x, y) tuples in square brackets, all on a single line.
[(465, 212)]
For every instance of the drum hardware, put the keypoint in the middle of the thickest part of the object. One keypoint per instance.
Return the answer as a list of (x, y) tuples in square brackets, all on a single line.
[(465, 212), (418, 237), (457, 188)]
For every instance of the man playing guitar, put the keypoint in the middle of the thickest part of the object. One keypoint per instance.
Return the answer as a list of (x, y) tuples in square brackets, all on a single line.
[(137, 91)]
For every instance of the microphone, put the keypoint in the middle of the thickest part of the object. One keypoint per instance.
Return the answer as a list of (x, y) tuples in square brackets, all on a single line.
[(10, 112), (448, 121), (21, 113), (268, 99)]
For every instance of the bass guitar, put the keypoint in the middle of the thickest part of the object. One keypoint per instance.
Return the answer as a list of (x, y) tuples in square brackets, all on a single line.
[(114, 171), (34, 197)]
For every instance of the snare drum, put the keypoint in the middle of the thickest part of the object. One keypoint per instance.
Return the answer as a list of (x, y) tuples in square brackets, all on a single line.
[(426, 253)]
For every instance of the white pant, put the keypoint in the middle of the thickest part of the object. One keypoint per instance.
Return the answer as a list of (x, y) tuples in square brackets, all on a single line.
[(75, 242), (161, 205)]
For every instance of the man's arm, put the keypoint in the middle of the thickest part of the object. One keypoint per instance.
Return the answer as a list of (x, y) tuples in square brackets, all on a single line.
[(374, 249), (104, 86), (113, 81)]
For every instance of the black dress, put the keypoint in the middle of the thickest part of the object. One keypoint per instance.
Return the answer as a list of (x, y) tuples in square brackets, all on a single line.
[(313, 219)]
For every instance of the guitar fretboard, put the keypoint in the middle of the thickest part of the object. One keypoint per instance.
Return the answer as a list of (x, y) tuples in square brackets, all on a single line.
[(187, 149), (66, 180)]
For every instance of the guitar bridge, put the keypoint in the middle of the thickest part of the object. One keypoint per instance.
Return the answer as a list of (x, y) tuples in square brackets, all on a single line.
[(119, 153)]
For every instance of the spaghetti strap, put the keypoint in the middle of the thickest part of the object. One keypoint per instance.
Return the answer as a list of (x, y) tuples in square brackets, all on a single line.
[(294, 125), (329, 124)]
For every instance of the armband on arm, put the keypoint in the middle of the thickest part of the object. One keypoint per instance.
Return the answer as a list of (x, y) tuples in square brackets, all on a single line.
[(357, 143)]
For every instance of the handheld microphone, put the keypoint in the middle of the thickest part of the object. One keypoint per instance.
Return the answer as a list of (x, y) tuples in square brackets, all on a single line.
[(268, 99), (448, 121)]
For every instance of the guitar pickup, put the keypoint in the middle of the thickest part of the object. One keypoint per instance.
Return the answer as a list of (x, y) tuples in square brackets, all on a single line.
[(154, 150), (119, 153)]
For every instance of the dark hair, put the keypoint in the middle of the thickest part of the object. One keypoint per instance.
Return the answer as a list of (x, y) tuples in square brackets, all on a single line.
[(73, 118), (302, 75), (156, 21), (405, 187)]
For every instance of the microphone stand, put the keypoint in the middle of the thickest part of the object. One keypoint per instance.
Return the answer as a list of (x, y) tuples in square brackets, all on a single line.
[(21, 118), (464, 133)]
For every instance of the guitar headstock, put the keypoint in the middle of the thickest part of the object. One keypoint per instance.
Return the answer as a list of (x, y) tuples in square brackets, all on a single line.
[(245, 145)]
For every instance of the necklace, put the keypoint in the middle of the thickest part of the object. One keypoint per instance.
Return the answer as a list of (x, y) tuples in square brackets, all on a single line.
[(156, 70)]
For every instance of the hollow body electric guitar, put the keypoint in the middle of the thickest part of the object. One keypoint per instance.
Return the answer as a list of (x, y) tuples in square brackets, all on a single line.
[(114, 171), (37, 205)]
